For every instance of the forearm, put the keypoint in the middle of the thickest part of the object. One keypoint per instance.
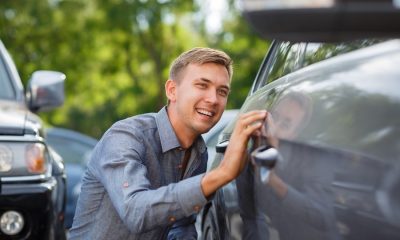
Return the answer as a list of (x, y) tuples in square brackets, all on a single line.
[(214, 180), (147, 209)]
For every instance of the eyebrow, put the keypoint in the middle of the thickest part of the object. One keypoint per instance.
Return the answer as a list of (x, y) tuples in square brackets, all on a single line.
[(209, 81)]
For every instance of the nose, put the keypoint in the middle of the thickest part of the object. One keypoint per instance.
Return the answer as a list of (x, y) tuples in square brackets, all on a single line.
[(212, 96)]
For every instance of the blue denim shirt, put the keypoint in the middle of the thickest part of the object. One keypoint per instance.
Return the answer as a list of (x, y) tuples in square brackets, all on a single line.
[(132, 188)]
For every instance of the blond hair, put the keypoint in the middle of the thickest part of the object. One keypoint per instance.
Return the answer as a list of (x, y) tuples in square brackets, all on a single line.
[(200, 55)]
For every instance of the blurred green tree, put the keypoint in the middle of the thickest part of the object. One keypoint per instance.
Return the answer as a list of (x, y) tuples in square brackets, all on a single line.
[(116, 53)]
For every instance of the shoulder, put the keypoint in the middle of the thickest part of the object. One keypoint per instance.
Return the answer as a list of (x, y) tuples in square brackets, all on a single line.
[(126, 137), (130, 132), (137, 124)]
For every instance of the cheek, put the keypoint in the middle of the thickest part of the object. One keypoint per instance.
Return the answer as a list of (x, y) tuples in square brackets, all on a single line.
[(223, 101)]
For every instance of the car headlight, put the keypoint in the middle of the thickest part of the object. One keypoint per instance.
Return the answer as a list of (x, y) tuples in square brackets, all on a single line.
[(5, 158), (11, 222), (23, 159)]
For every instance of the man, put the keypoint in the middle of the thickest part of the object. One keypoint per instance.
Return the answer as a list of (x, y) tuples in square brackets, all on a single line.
[(146, 177)]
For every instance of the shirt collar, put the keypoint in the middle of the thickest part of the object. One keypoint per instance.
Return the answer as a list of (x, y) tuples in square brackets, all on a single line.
[(168, 138)]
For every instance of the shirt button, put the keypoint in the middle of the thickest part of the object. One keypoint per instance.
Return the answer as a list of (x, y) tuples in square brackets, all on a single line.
[(172, 219), (196, 208), (180, 166), (180, 149), (125, 185)]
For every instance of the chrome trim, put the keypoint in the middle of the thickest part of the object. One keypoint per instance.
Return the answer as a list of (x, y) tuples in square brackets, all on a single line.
[(25, 178), (21, 138)]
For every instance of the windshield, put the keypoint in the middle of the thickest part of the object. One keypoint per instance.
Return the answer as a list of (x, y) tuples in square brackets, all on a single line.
[(6, 88)]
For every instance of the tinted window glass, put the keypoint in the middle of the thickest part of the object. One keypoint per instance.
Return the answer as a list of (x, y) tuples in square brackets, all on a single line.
[(316, 52), (290, 57), (285, 61)]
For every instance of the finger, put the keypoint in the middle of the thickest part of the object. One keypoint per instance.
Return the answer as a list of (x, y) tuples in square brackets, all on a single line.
[(252, 127), (252, 113), (252, 118)]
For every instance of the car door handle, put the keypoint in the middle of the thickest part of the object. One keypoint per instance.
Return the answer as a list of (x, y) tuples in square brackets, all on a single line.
[(265, 157), (221, 147)]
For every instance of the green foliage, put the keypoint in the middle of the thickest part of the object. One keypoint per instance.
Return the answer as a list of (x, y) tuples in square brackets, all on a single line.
[(116, 53)]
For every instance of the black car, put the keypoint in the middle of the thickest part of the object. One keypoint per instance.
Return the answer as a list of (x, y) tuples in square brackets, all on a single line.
[(327, 163), (32, 176)]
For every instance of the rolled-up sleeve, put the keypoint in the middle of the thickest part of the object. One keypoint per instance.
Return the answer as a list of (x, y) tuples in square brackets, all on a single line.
[(122, 170)]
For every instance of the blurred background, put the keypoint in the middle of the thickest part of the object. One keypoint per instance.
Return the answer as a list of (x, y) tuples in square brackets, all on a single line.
[(116, 53)]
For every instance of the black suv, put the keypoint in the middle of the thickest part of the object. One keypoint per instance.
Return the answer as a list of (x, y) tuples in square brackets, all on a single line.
[(327, 165), (32, 177)]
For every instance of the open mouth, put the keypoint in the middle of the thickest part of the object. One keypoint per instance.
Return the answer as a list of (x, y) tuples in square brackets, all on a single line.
[(205, 112)]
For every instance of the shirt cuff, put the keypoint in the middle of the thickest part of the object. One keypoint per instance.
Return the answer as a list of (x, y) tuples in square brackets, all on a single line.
[(190, 196)]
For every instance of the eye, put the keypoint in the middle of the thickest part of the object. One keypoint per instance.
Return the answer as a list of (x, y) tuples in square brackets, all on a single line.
[(201, 85), (223, 92)]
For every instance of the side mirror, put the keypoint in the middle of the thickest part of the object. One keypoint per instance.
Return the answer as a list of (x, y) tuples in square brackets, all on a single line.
[(45, 90)]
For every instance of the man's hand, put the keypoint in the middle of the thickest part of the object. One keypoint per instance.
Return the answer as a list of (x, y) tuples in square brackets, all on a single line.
[(235, 156)]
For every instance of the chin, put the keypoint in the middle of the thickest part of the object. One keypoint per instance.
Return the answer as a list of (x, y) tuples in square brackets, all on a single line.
[(204, 129)]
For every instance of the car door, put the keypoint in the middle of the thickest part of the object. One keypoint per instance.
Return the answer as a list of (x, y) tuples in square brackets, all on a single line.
[(335, 127)]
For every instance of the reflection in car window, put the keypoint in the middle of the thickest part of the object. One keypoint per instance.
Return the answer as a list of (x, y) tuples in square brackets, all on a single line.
[(285, 61), (316, 52), (291, 56), (6, 90)]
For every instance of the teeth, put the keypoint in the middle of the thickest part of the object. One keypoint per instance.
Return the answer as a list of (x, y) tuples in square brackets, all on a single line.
[(205, 112)]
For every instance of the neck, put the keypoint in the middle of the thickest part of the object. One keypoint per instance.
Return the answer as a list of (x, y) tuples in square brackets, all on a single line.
[(185, 136)]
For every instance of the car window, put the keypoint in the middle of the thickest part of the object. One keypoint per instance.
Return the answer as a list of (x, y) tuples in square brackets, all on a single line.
[(281, 59), (289, 57), (316, 52), (6, 89), (286, 60)]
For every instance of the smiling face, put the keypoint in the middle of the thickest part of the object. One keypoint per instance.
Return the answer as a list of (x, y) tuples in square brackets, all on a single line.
[(197, 99)]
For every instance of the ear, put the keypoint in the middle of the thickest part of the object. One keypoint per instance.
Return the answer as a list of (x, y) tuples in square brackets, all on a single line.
[(170, 90)]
